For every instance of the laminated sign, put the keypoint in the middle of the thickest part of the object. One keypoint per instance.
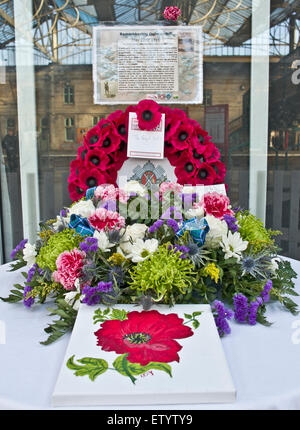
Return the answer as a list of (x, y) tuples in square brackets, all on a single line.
[(159, 63)]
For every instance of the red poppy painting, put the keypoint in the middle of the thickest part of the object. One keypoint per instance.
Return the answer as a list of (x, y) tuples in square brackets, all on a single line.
[(146, 336)]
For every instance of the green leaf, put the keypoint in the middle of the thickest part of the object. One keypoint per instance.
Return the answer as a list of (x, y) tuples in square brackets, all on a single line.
[(188, 316), (123, 366), (118, 314), (196, 314), (92, 367), (59, 327), (196, 324), (17, 265)]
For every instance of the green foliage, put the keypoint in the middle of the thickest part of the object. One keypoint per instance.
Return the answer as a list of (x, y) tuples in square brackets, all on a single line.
[(15, 295), (59, 327), (283, 286), (112, 314), (253, 230), (17, 265), (92, 367), (57, 243), (193, 319), (164, 275), (126, 368)]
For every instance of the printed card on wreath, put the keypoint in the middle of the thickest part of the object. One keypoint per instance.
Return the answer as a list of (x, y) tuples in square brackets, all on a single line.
[(127, 356)]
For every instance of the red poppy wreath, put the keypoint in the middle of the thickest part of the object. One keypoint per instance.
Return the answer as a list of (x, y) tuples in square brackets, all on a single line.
[(187, 147)]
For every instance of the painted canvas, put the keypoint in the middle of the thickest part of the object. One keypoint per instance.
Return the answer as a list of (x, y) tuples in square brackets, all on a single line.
[(127, 356)]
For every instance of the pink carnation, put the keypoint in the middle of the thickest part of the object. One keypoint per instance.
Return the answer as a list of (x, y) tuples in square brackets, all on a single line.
[(104, 218), (69, 267), (111, 193), (216, 204), (171, 13), (170, 186)]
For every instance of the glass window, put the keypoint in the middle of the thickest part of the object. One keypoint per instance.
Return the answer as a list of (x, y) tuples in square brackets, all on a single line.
[(207, 97), (69, 129), (68, 94)]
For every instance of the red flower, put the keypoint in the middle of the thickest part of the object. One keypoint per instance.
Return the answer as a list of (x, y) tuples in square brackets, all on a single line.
[(205, 175), (148, 114), (96, 158), (220, 171), (76, 189), (146, 336), (92, 177), (182, 137), (120, 121), (216, 204)]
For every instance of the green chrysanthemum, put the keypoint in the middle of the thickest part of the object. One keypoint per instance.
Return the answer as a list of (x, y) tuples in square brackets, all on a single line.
[(57, 243), (253, 230), (164, 275)]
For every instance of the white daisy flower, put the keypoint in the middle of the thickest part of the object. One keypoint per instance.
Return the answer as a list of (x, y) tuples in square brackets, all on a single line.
[(233, 245), (140, 250)]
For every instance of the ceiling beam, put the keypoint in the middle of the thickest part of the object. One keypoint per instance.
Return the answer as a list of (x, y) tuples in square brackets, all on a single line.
[(10, 21), (280, 10)]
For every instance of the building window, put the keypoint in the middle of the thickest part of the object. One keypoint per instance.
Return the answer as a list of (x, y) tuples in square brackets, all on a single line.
[(10, 124), (68, 94), (207, 97), (96, 119), (44, 128), (69, 129)]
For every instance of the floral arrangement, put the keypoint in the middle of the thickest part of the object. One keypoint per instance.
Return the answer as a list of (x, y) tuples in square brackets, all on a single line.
[(187, 147), (168, 244)]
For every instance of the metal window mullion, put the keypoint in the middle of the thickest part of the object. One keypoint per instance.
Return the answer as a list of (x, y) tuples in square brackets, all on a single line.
[(259, 108), (27, 117)]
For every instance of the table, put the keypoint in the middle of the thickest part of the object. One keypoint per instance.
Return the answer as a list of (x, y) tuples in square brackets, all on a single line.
[(264, 361)]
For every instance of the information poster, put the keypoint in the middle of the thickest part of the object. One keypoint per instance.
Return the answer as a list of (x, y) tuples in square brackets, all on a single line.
[(146, 62)]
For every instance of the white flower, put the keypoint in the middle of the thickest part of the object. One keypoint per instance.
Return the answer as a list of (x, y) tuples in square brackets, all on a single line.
[(84, 208), (197, 212), (134, 232), (274, 264), (233, 245), (71, 297), (217, 229), (140, 250), (103, 241), (135, 187), (29, 254)]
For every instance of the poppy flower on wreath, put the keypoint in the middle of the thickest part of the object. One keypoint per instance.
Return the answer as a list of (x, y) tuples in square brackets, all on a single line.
[(148, 114), (182, 137), (146, 336), (120, 121)]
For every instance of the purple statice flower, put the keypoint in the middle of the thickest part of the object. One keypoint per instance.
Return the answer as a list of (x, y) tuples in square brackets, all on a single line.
[(253, 308), (265, 293), (30, 300), (231, 222), (93, 294), (18, 248), (156, 226), (173, 224), (31, 272), (90, 244), (64, 213), (172, 212), (240, 307), (221, 315), (184, 250)]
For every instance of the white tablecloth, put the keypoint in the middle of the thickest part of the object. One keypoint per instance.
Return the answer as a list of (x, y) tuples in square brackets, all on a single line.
[(264, 361)]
